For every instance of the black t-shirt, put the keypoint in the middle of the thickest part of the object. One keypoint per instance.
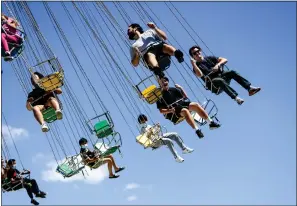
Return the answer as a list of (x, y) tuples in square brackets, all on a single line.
[(86, 153), (39, 93), (206, 66), (168, 97)]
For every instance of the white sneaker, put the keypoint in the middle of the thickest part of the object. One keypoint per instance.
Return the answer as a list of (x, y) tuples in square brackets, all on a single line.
[(187, 150), (44, 127), (59, 114), (179, 159), (239, 100)]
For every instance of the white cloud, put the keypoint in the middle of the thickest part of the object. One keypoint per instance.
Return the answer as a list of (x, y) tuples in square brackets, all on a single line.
[(131, 186), (40, 157), (132, 198), (90, 176), (14, 132)]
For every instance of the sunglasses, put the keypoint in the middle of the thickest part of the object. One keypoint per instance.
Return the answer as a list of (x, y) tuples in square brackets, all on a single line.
[(196, 52)]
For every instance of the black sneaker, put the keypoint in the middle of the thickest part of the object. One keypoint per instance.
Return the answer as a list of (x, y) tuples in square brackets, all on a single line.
[(34, 202), (114, 176), (179, 55), (41, 194), (199, 133), (214, 125)]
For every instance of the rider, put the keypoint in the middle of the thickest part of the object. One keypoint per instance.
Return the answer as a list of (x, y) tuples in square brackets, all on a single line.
[(17, 182), (9, 34), (167, 139), (211, 66), (38, 100), (90, 157), (149, 44)]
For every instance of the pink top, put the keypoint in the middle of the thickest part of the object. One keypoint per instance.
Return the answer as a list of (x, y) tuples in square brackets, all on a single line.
[(9, 29)]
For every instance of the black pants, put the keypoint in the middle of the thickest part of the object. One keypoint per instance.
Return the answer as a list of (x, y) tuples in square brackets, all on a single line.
[(30, 185), (224, 80)]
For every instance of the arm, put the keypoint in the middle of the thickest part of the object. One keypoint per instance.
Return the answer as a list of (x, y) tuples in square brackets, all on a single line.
[(58, 91), (166, 111), (158, 31), (222, 61), (28, 104), (135, 56), (196, 69), (161, 33), (182, 90), (3, 17)]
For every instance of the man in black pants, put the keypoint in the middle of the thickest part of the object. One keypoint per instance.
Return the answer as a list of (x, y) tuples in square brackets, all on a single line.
[(175, 104), (17, 182), (209, 70)]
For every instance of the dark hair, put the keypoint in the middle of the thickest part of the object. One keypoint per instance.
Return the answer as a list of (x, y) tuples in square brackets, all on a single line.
[(141, 118), (139, 28), (39, 75), (10, 162), (82, 141), (166, 78), (194, 47)]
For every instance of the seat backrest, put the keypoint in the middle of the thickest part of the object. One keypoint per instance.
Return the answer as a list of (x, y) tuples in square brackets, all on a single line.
[(144, 140), (52, 81), (103, 129), (152, 94)]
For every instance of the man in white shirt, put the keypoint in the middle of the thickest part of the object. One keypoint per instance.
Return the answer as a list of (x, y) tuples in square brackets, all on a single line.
[(167, 139), (150, 45)]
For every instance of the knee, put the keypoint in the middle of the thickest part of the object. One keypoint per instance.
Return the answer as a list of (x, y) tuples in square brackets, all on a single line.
[(52, 99), (3, 35), (233, 72), (167, 141), (36, 109), (33, 181), (185, 112)]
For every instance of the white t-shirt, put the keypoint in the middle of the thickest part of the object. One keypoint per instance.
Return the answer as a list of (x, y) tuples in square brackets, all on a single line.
[(145, 40)]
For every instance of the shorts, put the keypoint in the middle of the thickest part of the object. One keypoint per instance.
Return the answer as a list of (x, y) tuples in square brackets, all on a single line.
[(174, 117), (156, 50)]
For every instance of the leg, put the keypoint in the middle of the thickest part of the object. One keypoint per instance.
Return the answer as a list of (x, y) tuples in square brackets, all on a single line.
[(202, 113), (4, 42), (169, 143), (170, 50), (228, 75), (115, 167), (175, 137), (190, 120), (152, 62), (223, 84), (52, 102), (35, 188), (37, 113), (109, 165)]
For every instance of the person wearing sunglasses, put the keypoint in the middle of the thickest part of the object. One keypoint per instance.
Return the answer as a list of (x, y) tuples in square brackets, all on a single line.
[(210, 70)]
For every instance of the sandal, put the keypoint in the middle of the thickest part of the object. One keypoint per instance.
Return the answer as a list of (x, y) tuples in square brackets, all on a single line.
[(120, 169)]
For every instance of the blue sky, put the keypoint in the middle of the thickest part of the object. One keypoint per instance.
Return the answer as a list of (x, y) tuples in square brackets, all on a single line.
[(251, 159)]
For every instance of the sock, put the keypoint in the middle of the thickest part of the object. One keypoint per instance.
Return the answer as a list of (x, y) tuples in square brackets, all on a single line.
[(208, 120)]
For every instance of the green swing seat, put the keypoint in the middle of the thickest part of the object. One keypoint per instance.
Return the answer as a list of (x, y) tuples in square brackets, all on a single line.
[(49, 115), (103, 129), (68, 171)]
